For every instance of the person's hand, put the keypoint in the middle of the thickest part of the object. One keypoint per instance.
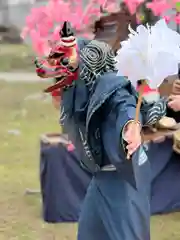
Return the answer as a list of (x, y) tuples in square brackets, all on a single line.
[(174, 102), (176, 87), (132, 135)]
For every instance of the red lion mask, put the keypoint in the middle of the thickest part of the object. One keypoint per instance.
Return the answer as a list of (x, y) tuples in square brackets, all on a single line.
[(62, 63)]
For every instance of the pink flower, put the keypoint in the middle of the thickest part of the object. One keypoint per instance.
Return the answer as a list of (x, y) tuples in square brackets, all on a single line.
[(30, 22), (40, 46), (55, 35), (132, 5), (88, 35), (24, 32), (112, 7), (158, 7), (177, 19), (167, 19), (43, 23)]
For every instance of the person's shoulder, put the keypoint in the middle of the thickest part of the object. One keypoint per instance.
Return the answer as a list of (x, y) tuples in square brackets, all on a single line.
[(106, 85), (109, 83), (113, 75), (110, 80)]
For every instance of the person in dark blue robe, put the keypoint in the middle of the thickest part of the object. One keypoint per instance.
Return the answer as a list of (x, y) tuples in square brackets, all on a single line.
[(99, 107)]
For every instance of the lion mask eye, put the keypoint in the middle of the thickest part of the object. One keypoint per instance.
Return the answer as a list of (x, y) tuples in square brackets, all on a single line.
[(72, 69), (65, 61)]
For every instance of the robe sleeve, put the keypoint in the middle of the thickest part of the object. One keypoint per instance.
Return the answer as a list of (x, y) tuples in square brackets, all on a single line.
[(152, 113), (118, 111)]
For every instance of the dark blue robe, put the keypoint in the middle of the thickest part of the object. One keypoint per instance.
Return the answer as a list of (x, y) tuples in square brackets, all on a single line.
[(116, 206)]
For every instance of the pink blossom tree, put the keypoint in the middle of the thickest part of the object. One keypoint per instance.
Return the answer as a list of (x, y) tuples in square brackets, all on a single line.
[(43, 23)]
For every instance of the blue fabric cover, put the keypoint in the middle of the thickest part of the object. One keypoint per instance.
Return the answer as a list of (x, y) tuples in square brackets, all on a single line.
[(64, 182)]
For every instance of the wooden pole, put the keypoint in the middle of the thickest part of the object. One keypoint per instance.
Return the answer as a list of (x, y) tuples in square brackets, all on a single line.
[(140, 98), (138, 107)]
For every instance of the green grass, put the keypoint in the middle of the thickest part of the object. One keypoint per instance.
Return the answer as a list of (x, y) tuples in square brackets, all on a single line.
[(20, 214), (16, 57)]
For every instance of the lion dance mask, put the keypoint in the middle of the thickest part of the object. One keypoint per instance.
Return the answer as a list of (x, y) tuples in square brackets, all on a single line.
[(62, 62)]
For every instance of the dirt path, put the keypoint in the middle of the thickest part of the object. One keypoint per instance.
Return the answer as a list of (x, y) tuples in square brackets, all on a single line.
[(20, 77), (32, 77)]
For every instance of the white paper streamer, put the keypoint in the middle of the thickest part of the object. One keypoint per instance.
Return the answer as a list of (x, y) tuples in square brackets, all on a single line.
[(150, 53)]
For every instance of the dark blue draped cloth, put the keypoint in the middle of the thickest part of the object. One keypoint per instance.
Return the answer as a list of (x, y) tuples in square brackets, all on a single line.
[(64, 182), (165, 195)]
